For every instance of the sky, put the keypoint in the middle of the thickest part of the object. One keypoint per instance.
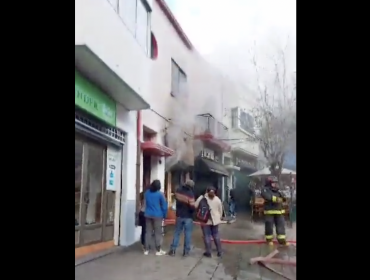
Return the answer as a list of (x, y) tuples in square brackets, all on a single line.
[(230, 33)]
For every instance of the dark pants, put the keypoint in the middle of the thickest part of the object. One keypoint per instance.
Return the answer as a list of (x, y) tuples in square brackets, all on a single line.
[(153, 224), (210, 231), (142, 223), (279, 222), (186, 225), (232, 207)]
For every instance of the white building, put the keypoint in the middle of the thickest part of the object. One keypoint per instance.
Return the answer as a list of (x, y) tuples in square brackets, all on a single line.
[(113, 67), (134, 70)]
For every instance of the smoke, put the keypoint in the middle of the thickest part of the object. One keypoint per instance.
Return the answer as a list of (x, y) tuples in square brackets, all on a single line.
[(200, 94)]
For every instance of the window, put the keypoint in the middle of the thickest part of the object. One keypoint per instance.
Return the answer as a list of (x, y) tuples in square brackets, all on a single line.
[(242, 120), (179, 80), (153, 47), (135, 15), (127, 11), (246, 122), (142, 22)]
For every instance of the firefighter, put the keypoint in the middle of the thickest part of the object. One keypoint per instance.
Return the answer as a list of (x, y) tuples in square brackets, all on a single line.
[(274, 211)]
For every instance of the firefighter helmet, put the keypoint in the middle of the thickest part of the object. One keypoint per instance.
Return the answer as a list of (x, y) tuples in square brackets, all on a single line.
[(272, 179)]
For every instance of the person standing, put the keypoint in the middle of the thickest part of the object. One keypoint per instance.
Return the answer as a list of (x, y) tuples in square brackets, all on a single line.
[(210, 228), (273, 211), (155, 212), (184, 217), (232, 204), (142, 220)]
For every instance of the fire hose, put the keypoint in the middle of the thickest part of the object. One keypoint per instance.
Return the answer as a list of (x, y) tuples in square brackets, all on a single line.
[(227, 241)]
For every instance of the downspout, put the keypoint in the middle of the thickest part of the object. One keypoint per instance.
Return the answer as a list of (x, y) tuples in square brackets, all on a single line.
[(138, 164)]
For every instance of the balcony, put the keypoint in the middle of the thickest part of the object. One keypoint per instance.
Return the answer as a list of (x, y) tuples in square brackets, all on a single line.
[(210, 130)]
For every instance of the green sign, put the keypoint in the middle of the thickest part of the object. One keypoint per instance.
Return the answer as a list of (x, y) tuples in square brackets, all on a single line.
[(92, 100)]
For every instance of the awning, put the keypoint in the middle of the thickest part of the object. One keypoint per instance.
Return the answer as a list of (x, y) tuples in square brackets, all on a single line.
[(211, 166), (246, 167), (178, 166), (95, 69), (155, 149)]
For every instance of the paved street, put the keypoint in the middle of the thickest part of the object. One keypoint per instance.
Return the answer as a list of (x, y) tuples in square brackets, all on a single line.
[(131, 264)]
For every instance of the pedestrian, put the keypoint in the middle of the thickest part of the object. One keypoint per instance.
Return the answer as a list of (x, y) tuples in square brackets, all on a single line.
[(155, 212), (142, 220), (210, 228), (185, 206), (273, 211), (232, 204)]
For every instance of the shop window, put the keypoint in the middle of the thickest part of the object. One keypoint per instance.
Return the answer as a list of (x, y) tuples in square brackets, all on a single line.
[(94, 186), (111, 200), (78, 173)]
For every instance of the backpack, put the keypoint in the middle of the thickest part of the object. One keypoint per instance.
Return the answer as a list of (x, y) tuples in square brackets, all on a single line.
[(203, 212)]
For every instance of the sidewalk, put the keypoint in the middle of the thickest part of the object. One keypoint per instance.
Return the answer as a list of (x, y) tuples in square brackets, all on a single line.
[(131, 264)]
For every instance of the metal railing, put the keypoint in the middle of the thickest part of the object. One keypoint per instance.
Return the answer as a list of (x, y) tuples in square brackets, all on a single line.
[(206, 123)]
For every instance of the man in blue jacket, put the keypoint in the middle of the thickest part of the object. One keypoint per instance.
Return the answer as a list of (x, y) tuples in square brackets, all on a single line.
[(184, 217), (155, 212)]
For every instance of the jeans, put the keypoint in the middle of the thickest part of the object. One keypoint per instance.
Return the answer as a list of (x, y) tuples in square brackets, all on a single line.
[(186, 225), (210, 231), (232, 207)]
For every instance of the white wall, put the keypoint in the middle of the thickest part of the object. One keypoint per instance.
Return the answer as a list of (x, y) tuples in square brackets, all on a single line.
[(126, 121), (99, 26)]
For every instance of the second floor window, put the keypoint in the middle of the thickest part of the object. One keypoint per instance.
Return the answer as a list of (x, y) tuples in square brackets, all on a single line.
[(135, 14), (179, 80), (242, 120)]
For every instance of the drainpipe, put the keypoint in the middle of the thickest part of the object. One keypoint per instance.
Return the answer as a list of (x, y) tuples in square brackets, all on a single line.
[(138, 164)]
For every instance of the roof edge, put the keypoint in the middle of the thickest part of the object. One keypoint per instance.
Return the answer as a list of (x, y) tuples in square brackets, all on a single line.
[(166, 10)]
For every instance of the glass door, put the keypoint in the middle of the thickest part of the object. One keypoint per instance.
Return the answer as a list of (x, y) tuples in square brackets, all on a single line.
[(93, 193), (94, 206), (78, 188)]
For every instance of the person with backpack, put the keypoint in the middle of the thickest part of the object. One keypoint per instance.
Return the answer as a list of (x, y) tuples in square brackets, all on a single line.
[(209, 213), (184, 217), (155, 212)]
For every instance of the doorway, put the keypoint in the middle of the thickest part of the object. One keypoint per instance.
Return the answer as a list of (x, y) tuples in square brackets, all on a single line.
[(94, 206)]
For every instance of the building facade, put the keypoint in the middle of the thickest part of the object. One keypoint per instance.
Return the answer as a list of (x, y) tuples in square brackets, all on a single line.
[(112, 82), (147, 106)]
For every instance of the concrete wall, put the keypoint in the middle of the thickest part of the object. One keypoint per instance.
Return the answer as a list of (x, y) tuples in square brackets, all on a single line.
[(98, 26)]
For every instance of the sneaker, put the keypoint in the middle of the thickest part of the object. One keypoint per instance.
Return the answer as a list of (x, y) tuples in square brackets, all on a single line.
[(219, 254), (146, 252), (160, 253), (185, 254), (208, 255), (172, 253)]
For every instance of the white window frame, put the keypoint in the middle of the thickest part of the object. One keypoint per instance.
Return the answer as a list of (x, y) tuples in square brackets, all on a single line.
[(237, 122), (132, 23), (178, 87)]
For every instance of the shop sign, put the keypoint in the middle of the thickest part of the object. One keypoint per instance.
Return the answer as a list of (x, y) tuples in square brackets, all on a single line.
[(92, 100), (113, 165), (209, 154)]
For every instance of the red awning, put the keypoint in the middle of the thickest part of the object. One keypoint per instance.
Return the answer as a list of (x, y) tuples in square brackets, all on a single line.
[(211, 139), (156, 149)]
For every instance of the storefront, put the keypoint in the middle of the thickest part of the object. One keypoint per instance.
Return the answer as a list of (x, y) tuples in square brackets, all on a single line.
[(209, 171), (98, 164)]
